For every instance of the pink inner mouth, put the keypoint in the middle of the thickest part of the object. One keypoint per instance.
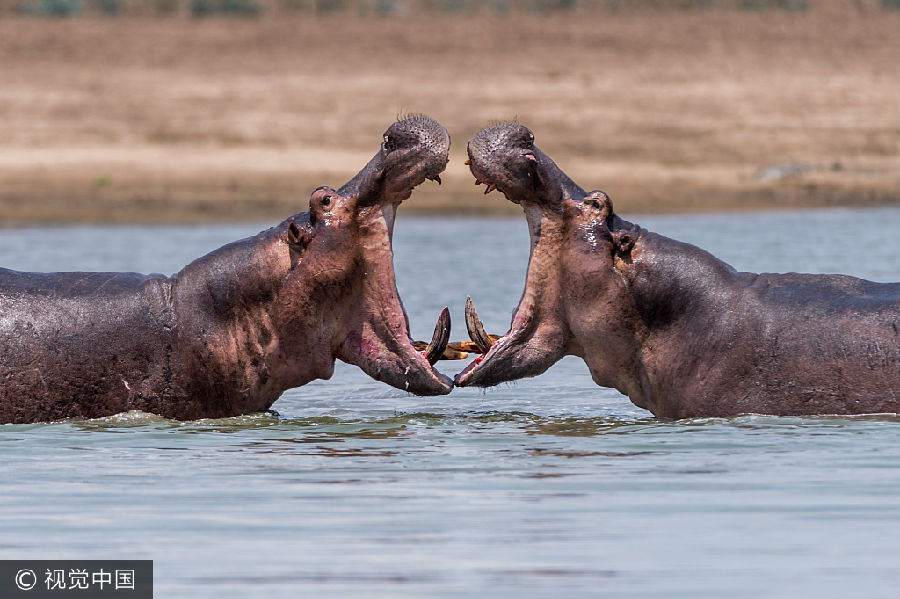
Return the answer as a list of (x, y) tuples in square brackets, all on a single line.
[(522, 318), (371, 346)]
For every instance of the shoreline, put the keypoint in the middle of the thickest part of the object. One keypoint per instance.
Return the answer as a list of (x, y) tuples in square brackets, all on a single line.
[(213, 120), (199, 185), (147, 211)]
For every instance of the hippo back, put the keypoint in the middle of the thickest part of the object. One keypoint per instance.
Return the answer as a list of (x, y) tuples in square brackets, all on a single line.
[(67, 339), (70, 284)]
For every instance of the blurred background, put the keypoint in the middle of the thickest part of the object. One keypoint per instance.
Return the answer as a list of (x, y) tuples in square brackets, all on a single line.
[(210, 110)]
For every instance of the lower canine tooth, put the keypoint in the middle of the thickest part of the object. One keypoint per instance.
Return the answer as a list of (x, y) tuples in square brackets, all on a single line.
[(439, 339), (476, 330)]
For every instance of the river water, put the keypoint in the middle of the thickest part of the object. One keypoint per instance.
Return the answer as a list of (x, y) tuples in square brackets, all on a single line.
[(547, 487)]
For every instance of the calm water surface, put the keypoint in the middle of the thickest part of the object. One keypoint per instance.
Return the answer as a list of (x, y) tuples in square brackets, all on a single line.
[(548, 487)]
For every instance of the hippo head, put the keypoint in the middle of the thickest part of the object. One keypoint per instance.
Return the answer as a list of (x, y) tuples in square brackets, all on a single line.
[(341, 283), (572, 291)]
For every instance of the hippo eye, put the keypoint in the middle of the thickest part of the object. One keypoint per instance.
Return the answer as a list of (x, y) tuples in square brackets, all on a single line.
[(326, 200), (386, 144)]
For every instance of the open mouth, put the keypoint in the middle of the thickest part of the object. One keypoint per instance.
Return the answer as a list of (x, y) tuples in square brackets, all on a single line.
[(433, 350), (493, 346), (379, 341), (503, 157)]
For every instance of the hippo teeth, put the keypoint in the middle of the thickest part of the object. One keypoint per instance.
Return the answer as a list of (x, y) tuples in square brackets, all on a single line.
[(482, 340), (439, 338), (491, 186), (436, 179)]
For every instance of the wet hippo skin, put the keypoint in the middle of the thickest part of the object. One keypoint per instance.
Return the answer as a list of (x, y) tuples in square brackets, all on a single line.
[(668, 324), (234, 329)]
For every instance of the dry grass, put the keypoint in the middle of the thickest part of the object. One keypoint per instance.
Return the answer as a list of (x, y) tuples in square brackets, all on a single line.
[(174, 119)]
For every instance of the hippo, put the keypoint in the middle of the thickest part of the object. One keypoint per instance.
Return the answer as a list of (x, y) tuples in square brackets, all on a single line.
[(678, 331), (231, 331)]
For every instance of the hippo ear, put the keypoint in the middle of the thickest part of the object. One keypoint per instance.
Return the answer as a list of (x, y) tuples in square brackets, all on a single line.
[(297, 238), (599, 202), (623, 240)]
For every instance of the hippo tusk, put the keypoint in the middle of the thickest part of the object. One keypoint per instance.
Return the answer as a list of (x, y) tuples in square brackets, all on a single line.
[(476, 330), (440, 338), (456, 350)]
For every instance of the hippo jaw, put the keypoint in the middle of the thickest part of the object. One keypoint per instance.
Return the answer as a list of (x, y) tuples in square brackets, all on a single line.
[(537, 337), (386, 354), (414, 149), (379, 342), (533, 344), (505, 158)]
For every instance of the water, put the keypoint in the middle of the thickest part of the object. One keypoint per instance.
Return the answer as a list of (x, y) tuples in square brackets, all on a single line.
[(548, 487)]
